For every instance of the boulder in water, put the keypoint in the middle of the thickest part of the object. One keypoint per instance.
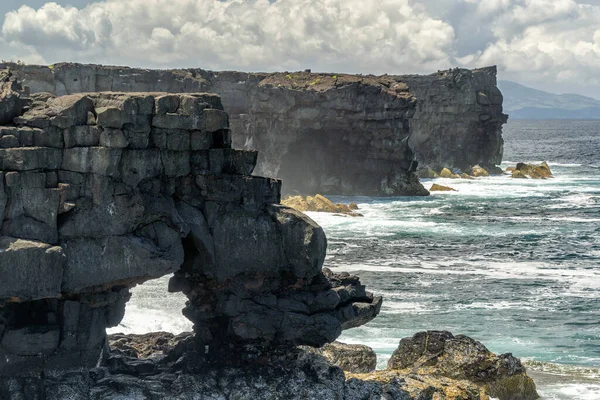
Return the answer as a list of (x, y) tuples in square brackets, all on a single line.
[(446, 173), (320, 203), (541, 171), (441, 188), (478, 171), (466, 176)]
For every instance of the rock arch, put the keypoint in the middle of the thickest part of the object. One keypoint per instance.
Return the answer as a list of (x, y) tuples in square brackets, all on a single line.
[(104, 191)]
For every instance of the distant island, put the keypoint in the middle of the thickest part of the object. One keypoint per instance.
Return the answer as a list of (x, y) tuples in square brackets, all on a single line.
[(522, 102)]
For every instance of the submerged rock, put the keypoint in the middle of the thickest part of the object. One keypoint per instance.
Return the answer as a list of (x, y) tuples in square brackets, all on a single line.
[(441, 188), (439, 353)]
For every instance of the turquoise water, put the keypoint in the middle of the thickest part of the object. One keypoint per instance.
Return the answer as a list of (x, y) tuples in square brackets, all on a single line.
[(512, 263)]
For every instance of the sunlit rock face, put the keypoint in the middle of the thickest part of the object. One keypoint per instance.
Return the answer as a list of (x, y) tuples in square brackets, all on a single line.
[(104, 191), (328, 133)]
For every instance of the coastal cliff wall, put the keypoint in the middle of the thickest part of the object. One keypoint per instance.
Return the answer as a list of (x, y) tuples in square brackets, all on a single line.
[(338, 134)]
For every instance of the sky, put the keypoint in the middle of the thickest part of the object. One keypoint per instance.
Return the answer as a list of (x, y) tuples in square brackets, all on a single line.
[(552, 45)]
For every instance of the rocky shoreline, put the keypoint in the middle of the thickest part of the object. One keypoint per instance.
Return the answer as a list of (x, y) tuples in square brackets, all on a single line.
[(429, 365)]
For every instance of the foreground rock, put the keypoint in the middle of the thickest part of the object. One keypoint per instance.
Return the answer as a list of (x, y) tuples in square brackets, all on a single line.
[(103, 191), (523, 170), (328, 133), (246, 373), (177, 368), (320, 203), (439, 353)]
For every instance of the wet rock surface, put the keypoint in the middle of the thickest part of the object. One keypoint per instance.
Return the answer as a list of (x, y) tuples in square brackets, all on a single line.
[(329, 133)]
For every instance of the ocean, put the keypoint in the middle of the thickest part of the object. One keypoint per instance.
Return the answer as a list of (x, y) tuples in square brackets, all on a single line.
[(512, 263)]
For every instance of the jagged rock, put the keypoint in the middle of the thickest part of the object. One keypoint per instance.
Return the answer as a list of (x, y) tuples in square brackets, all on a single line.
[(478, 171), (354, 358), (103, 191), (439, 353), (320, 203), (453, 118), (541, 171), (441, 188), (446, 173)]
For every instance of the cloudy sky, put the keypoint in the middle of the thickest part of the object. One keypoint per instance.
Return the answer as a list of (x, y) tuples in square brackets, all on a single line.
[(552, 45)]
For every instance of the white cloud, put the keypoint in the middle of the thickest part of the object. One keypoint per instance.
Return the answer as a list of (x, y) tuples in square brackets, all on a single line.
[(349, 35), (552, 44)]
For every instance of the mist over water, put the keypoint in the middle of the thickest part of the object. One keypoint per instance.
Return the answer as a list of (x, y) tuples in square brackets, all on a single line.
[(513, 263)]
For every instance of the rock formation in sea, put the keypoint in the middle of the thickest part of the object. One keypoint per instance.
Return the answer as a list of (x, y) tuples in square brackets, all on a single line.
[(104, 191), (328, 133), (100, 192)]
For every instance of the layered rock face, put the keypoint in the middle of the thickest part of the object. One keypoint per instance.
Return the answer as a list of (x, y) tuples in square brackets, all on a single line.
[(458, 122), (333, 134), (103, 191)]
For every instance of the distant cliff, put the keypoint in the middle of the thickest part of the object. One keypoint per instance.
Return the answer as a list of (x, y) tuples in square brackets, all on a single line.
[(338, 134)]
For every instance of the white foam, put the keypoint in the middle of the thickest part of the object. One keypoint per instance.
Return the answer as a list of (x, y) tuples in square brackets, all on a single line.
[(139, 320)]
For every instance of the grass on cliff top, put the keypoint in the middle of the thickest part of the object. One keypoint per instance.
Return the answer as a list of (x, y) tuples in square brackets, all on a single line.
[(321, 82)]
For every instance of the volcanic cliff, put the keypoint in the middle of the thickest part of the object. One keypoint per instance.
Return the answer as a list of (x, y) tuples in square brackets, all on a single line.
[(102, 191), (328, 133)]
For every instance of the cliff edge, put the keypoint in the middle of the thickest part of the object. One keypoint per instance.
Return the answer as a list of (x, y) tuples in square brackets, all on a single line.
[(327, 133)]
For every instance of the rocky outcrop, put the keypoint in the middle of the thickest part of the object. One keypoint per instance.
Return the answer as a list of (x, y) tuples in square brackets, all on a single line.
[(162, 365), (328, 133), (524, 171), (103, 191), (439, 353), (320, 203)]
